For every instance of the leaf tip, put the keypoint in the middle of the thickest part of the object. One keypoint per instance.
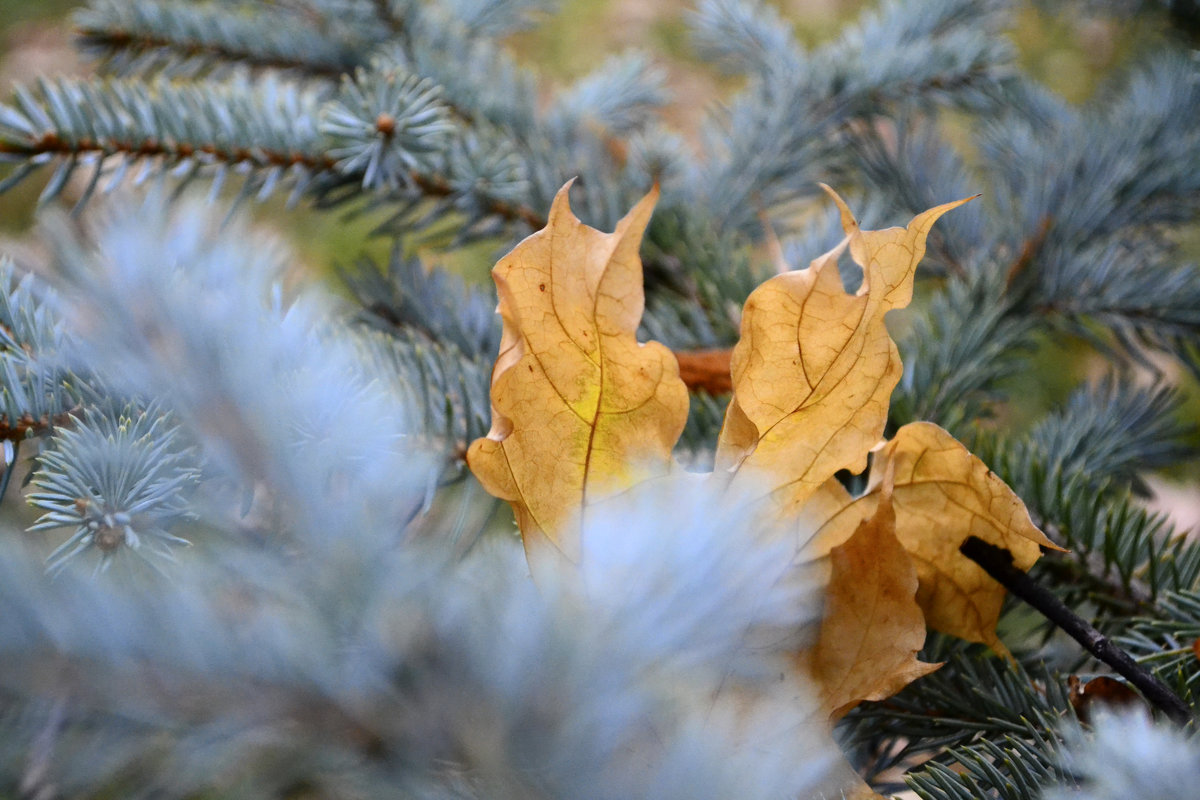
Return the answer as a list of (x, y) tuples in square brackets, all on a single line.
[(562, 203), (651, 198), (633, 225), (849, 223), (937, 211), (1049, 545)]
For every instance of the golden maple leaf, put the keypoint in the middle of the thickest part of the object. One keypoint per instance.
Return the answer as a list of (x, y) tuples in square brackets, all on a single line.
[(580, 409), (815, 368), (582, 412)]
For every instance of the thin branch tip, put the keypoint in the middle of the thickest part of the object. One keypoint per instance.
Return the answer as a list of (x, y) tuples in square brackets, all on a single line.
[(998, 563)]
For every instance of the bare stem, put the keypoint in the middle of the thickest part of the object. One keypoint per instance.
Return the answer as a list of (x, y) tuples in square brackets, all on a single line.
[(997, 562)]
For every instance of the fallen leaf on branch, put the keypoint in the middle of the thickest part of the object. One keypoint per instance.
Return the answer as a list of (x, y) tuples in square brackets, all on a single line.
[(1102, 692), (942, 494), (872, 628), (582, 413)]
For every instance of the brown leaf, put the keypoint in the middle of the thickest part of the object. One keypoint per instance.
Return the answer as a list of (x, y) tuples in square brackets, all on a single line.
[(1099, 692), (942, 495), (815, 368), (872, 627), (580, 409)]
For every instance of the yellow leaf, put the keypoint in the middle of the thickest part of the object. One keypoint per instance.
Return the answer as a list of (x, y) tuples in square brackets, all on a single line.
[(942, 494), (815, 368), (580, 409), (872, 627)]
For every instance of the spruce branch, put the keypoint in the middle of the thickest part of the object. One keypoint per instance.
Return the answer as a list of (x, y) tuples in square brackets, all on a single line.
[(961, 348), (406, 296), (37, 391), (1051, 236), (745, 38), (267, 130), (1076, 471), (497, 18), (1122, 556), (347, 435), (768, 146), (1166, 640), (443, 389), (972, 709), (184, 39), (386, 127), (118, 481), (1125, 755), (1012, 769), (272, 132), (621, 97), (1064, 233), (997, 562), (1113, 429)]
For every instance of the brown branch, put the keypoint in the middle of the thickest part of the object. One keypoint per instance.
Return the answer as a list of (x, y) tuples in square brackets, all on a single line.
[(25, 426), (116, 39), (1028, 251), (438, 186), (998, 563), (706, 370), (435, 186), (50, 142)]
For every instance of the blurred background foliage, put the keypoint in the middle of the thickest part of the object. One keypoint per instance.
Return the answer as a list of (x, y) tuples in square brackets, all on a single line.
[(1073, 48), (1081, 468)]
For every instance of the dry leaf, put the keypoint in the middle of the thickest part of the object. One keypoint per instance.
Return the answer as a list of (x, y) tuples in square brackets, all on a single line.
[(1102, 692), (942, 495), (872, 628), (580, 409), (815, 368)]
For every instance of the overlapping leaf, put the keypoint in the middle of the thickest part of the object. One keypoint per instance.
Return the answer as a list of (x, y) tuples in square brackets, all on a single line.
[(873, 627), (943, 494)]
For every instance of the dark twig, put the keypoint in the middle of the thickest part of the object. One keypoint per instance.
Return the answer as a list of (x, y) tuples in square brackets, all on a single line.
[(997, 562)]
